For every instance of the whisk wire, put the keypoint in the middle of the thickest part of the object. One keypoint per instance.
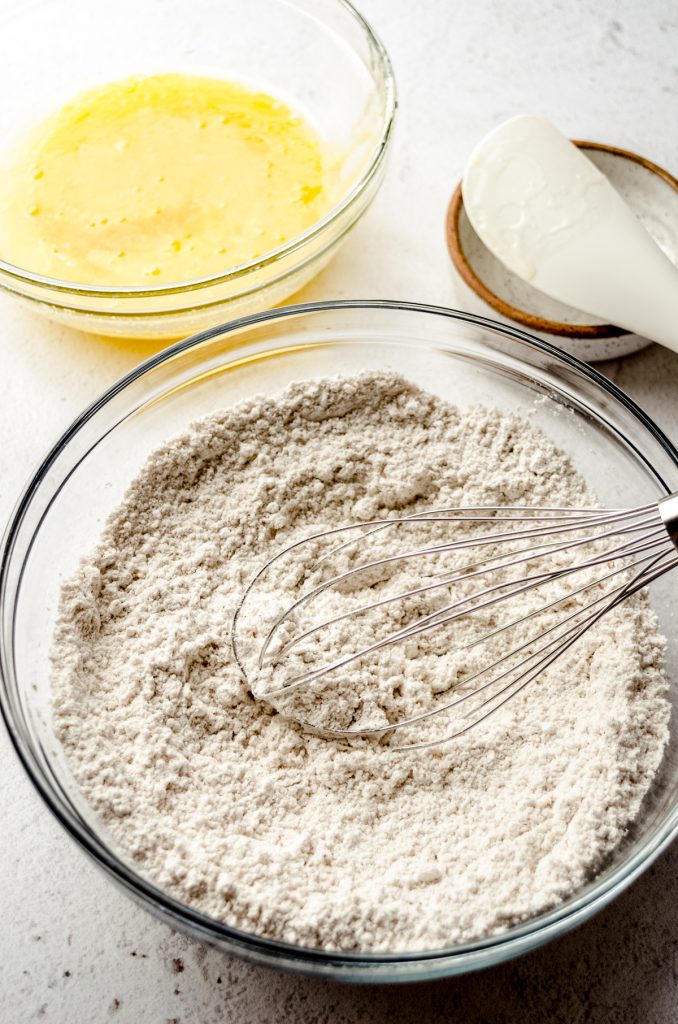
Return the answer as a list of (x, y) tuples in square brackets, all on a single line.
[(466, 572), (459, 609), (638, 545), (558, 646), (481, 541)]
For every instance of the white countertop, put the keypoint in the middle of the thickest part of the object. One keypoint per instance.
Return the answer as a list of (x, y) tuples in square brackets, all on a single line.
[(75, 951)]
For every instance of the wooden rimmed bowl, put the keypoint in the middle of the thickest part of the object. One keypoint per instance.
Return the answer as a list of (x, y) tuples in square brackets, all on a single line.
[(486, 286)]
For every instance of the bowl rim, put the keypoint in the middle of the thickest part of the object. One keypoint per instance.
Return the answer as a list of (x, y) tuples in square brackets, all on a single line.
[(383, 78), (503, 306), (361, 966)]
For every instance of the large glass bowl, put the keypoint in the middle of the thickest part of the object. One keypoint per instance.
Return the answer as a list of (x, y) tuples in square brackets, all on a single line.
[(320, 56), (464, 359)]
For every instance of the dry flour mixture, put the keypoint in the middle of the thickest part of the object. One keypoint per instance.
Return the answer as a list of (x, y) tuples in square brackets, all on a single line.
[(238, 811)]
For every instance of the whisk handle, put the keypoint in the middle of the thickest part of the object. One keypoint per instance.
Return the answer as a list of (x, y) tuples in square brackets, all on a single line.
[(668, 510)]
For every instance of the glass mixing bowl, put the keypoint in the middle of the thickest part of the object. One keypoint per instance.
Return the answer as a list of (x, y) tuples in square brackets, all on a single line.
[(464, 359), (320, 56)]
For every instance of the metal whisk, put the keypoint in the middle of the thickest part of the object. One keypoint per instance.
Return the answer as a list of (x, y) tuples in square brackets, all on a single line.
[(616, 552)]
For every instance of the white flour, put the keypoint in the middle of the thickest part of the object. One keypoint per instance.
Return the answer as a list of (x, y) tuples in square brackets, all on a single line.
[(235, 809)]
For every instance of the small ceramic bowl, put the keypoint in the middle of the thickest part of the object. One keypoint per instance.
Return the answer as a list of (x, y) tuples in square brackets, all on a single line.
[(487, 287)]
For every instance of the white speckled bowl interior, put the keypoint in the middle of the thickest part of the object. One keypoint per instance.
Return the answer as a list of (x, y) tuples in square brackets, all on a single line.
[(490, 289)]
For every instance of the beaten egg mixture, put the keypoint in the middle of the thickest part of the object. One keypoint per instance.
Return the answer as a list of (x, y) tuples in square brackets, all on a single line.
[(160, 179)]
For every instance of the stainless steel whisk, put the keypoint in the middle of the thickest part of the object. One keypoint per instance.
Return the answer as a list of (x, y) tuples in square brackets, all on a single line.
[(626, 548)]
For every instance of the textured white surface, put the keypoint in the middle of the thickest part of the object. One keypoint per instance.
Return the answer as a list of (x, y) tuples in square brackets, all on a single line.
[(74, 951)]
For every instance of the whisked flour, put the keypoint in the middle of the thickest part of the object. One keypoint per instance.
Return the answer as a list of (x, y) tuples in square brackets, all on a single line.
[(232, 807)]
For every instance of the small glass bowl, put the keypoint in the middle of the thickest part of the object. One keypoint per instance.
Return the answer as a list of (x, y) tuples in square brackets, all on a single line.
[(464, 359), (320, 56)]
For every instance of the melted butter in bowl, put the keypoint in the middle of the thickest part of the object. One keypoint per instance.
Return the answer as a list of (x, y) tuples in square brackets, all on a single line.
[(161, 179), (268, 122)]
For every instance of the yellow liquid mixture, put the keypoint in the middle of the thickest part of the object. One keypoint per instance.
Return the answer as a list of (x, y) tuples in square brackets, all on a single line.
[(161, 179)]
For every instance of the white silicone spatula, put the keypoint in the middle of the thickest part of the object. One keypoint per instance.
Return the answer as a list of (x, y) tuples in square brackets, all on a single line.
[(552, 218)]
